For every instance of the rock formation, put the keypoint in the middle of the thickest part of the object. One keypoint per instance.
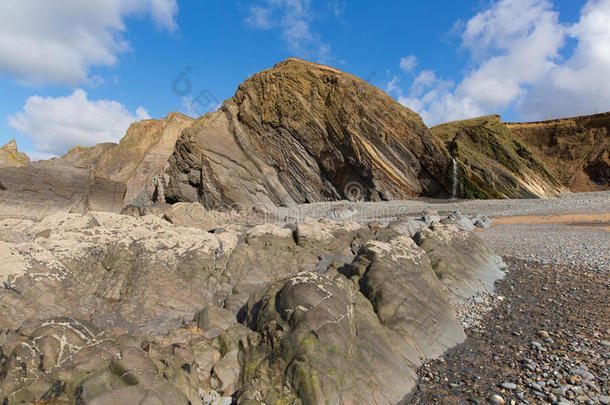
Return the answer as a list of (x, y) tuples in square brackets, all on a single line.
[(10, 156), (102, 308), (493, 163), (44, 187), (141, 156), (576, 150), (302, 132), (105, 177)]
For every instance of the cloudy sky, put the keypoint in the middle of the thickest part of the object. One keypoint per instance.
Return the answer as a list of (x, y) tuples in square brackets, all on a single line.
[(76, 72)]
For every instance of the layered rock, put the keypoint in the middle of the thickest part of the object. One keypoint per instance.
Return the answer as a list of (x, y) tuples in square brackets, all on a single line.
[(10, 155), (103, 308), (44, 187), (141, 156), (105, 177), (576, 150), (493, 163), (302, 132)]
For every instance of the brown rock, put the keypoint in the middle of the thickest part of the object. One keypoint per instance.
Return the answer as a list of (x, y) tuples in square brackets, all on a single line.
[(303, 132), (493, 163), (141, 155), (44, 187), (10, 155), (576, 150)]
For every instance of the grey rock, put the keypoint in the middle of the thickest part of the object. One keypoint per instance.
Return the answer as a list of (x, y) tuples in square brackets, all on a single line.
[(462, 262), (509, 385), (482, 222), (496, 399), (604, 399), (214, 320)]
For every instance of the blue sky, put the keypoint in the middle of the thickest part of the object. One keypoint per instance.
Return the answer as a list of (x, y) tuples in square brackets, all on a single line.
[(74, 72)]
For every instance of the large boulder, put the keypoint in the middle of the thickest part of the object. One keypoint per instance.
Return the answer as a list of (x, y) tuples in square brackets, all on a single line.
[(392, 275), (322, 343), (463, 263), (302, 132)]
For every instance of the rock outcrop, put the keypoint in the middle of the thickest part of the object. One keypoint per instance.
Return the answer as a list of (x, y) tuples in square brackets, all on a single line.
[(103, 308), (493, 163), (10, 156), (106, 177), (302, 132), (141, 156), (44, 187), (576, 150)]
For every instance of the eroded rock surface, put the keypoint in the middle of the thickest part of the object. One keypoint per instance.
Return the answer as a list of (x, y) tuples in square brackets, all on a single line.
[(576, 150), (104, 308), (462, 262), (45, 187)]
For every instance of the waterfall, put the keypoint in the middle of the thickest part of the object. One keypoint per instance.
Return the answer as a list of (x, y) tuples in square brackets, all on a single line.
[(454, 188)]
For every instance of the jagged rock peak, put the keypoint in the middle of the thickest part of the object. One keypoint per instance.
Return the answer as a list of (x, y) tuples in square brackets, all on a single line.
[(11, 146), (10, 155)]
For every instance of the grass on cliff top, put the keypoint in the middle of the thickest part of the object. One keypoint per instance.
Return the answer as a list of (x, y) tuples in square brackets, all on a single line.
[(448, 130), (488, 136)]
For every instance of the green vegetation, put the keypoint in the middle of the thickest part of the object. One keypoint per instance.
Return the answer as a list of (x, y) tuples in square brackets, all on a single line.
[(493, 163)]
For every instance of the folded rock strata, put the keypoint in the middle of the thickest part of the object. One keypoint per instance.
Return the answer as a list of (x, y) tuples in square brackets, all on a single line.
[(302, 132), (493, 163)]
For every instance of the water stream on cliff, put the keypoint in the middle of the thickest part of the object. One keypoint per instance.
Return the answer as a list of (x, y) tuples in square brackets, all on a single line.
[(454, 188)]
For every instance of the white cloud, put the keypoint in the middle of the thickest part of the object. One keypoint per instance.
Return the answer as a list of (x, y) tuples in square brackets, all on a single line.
[(260, 17), (292, 18), (58, 41), (34, 156), (57, 124), (408, 63), (519, 41), (514, 48), (393, 85), (582, 83)]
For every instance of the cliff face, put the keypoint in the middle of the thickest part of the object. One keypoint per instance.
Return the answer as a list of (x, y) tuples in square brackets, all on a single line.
[(302, 132), (141, 156), (576, 150), (10, 156), (104, 177), (493, 163)]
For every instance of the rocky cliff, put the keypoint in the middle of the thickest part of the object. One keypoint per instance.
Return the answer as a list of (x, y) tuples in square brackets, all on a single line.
[(302, 132), (104, 177), (45, 187), (10, 155), (138, 159), (576, 150), (491, 162), (141, 156)]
